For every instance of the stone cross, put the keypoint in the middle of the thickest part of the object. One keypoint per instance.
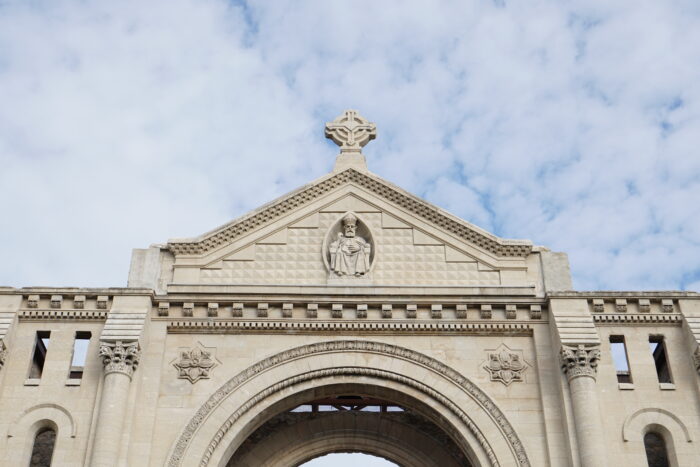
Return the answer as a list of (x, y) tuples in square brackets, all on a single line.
[(351, 131)]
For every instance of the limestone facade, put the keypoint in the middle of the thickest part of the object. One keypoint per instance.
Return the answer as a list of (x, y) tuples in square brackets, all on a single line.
[(436, 343)]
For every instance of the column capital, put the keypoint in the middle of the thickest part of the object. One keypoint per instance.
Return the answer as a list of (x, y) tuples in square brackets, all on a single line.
[(579, 360), (120, 357)]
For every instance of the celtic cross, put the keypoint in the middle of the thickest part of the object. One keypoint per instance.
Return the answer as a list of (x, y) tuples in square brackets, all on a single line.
[(351, 131)]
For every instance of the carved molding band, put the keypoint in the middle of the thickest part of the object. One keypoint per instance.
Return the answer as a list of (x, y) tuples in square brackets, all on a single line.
[(580, 361), (696, 359), (120, 357), (360, 327), (350, 346)]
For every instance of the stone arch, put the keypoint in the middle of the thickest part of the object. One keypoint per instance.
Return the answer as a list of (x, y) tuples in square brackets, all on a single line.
[(465, 409), (23, 430), (314, 436), (679, 443)]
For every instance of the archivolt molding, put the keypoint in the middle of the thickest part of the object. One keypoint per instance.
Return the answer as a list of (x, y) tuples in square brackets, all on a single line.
[(349, 371), (637, 421), (348, 346), (500, 247), (60, 416)]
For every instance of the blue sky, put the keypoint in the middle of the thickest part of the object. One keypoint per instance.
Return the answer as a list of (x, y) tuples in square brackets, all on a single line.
[(574, 124)]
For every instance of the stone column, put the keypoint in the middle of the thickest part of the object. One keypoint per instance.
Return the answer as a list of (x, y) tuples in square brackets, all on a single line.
[(579, 364), (120, 359)]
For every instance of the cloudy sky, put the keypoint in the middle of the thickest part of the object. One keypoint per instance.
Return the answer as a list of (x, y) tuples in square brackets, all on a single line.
[(575, 124)]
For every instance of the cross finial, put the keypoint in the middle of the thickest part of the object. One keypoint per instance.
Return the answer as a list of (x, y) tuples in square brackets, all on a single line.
[(351, 131)]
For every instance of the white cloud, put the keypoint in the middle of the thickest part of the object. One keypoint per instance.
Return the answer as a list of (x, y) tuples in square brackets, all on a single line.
[(574, 124)]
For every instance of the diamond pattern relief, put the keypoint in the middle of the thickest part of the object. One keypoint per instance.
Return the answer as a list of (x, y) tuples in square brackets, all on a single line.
[(397, 260)]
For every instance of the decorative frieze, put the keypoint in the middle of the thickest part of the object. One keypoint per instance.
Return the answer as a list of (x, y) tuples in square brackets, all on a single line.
[(195, 364), (337, 310), (393, 327), (511, 311), (163, 308), (79, 302), (505, 365), (580, 361), (535, 311), (212, 310), (411, 311), (485, 312), (120, 357), (362, 311), (644, 305), (461, 312), (436, 311), (287, 310)]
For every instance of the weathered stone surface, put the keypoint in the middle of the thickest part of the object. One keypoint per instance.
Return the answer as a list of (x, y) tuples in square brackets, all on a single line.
[(429, 342)]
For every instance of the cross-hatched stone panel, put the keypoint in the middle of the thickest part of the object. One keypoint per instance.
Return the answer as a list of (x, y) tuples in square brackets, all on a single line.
[(398, 260)]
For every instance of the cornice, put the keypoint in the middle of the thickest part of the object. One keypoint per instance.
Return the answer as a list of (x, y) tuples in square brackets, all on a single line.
[(378, 186), (659, 294)]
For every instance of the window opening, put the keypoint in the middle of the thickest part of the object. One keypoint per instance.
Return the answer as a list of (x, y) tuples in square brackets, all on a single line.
[(655, 447), (41, 345), (42, 452), (80, 348), (619, 355), (658, 351)]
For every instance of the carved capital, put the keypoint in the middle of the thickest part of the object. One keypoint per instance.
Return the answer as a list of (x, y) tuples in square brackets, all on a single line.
[(696, 359), (3, 353), (120, 357), (579, 361)]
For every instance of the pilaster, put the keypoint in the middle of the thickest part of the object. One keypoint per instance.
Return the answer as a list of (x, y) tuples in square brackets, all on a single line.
[(575, 333)]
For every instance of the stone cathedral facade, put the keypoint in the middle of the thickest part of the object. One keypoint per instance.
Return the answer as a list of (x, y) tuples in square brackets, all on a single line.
[(348, 316)]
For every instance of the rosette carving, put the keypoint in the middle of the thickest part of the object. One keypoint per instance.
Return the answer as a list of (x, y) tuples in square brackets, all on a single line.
[(195, 364), (580, 361), (120, 357)]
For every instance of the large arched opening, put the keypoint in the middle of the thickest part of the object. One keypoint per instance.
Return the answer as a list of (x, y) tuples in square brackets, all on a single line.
[(449, 412), (350, 418)]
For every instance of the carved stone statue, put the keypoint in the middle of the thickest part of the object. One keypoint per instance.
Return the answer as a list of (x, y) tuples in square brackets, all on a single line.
[(349, 254)]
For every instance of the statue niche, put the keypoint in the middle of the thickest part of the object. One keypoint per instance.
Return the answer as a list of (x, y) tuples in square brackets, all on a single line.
[(349, 251)]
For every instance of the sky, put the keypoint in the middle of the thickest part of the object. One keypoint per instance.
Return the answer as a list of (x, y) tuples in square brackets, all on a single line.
[(348, 460), (575, 124)]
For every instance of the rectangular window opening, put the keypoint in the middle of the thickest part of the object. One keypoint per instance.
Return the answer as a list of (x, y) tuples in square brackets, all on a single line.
[(80, 348), (41, 345), (619, 356), (658, 351)]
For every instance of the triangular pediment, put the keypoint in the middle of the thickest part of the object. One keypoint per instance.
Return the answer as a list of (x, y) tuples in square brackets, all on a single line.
[(412, 241), (368, 182)]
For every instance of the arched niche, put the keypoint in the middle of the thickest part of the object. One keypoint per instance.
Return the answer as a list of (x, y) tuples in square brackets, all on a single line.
[(248, 399), (679, 442), (22, 432)]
